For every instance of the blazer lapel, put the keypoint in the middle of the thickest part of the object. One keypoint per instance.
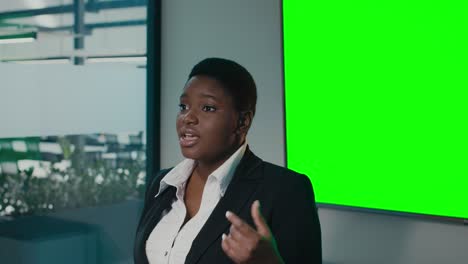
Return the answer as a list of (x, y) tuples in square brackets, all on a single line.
[(243, 184), (161, 203), (149, 220)]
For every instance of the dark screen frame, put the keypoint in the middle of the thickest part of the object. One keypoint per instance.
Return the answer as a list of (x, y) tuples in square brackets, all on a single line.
[(437, 218), (153, 82)]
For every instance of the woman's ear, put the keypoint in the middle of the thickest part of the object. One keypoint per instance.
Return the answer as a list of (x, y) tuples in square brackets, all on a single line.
[(244, 122)]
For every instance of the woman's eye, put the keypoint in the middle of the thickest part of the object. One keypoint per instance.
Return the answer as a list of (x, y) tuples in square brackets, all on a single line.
[(182, 107), (208, 108)]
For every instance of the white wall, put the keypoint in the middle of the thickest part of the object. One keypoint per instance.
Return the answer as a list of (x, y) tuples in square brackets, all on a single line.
[(249, 32), (245, 31)]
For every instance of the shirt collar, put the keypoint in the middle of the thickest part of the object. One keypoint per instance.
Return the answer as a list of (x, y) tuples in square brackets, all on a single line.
[(179, 175), (225, 172)]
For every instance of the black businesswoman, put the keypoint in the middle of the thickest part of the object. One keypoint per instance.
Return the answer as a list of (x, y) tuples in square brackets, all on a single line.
[(260, 213)]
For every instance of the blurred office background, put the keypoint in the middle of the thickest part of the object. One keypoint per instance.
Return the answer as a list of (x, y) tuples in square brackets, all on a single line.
[(72, 129)]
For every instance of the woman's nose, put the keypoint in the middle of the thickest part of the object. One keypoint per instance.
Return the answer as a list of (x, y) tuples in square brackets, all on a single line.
[(190, 117)]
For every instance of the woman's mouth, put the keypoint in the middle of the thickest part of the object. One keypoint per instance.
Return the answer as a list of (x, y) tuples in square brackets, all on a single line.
[(188, 140)]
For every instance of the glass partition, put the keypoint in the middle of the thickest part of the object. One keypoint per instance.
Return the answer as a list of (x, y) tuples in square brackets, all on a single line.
[(72, 129)]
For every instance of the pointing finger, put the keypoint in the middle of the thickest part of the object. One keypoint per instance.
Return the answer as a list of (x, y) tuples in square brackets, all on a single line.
[(260, 223), (242, 227), (234, 219)]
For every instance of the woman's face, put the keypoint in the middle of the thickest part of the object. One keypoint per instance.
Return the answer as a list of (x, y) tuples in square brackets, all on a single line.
[(207, 121)]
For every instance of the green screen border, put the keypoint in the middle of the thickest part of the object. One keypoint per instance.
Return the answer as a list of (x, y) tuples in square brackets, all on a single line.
[(456, 220)]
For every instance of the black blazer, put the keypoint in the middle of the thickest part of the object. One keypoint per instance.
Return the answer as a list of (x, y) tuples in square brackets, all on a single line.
[(287, 203)]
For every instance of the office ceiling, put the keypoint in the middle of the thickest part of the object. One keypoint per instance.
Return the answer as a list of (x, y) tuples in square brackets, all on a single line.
[(11, 5), (113, 27)]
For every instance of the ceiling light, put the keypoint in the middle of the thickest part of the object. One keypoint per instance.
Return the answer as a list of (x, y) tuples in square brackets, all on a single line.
[(18, 38), (50, 60), (128, 59)]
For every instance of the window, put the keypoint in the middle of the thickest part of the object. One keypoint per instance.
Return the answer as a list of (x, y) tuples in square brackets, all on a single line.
[(72, 129)]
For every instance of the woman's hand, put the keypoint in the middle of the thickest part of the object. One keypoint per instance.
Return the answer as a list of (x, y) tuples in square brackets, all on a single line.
[(244, 244)]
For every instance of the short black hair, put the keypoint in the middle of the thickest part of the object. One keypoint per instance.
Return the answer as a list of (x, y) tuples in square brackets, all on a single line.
[(236, 80)]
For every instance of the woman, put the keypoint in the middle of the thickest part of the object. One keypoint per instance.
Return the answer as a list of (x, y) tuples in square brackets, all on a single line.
[(223, 204)]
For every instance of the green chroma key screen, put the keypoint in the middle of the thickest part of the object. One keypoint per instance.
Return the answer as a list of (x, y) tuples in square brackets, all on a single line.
[(376, 98)]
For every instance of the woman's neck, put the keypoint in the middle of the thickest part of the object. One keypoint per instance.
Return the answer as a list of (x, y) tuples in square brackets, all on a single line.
[(203, 169)]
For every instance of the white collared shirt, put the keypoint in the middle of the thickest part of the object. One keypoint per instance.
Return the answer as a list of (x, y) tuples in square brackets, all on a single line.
[(168, 243)]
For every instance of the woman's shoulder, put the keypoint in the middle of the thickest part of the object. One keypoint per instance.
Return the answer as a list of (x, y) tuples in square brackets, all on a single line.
[(285, 176), (161, 173), (273, 174), (152, 185), (283, 187), (158, 175)]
